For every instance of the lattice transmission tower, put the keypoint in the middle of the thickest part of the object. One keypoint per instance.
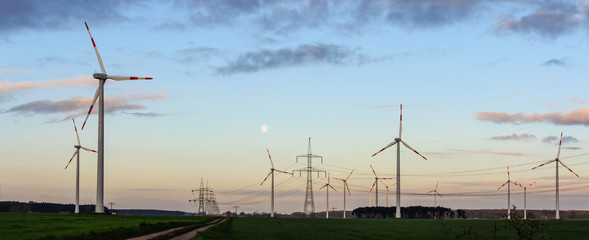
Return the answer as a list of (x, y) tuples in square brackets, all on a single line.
[(309, 208)]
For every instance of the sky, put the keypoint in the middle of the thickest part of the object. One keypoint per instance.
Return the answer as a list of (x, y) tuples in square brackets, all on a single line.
[(484, 85)]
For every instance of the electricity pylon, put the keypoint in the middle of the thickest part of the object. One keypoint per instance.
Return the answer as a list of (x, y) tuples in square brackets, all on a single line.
[(309, 208)]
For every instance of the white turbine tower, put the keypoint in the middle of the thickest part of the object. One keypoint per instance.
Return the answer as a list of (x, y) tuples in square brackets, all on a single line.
[(557, 162), (376, 178), (509, 182), (345, 187), (102, 77), (436, 194), (327, 202), (272, 173), (77, 153), (387, 186), (397, 140), (525, 200)]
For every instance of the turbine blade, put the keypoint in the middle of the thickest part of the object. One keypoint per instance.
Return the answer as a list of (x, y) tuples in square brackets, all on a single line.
[(568, 168), (266, 178), (75, 128), (338, 179), (372, 187), (346, 186), (373, 170), (439, 194), (502, 185), (388, 146), (124, 78), (407, 145), (331, 187), (401, 120), (543, 164), (508, 177), (272, 163), (88, 149), (350, 174), (323, 186), (531, 184), (437, 184), (431, 191), (559, 144), (285, 172), (386, 178), (91, 106), (68, 163), (95, 49)]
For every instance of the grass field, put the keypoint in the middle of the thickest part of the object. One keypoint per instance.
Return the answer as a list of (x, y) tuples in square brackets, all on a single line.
[(87, 226), (300, 229)]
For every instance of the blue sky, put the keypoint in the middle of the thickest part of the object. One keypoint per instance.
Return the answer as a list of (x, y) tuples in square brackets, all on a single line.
[(484, 84)]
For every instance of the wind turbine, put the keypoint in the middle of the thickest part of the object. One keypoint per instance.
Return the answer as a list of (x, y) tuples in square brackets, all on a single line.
[(509, 182), (387, 186), (375, 183), (346, 187), (328, 185), (557, 162), (369, 198), (272, 173), (102, 77), (397, 140), (436, 194), (525, 188), (77, 153)]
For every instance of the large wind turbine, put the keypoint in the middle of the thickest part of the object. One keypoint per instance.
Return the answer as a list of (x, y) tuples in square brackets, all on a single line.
[(327, 202), (100, 93), (397, 140), (77, 153), (557, 162), (525, 200), (509, 182), (376, 183), (436, 194), (345, 187), (272, 173)]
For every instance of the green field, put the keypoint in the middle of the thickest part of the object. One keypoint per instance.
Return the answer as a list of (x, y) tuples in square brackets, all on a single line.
[(87, 226), (300, 229)]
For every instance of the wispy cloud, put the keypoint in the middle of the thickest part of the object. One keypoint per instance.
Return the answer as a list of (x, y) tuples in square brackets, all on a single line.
[(142, 114), (551, 19), (7, 86), (515, 137), (464, 152), (578, 116), (200, 54), (40, 14), (555, 62), (254, 61), (565, 140), (78, 106)]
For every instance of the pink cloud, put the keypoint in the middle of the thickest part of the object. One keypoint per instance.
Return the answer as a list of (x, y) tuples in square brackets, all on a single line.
[(8, 86), (515, 137), (578, 116)]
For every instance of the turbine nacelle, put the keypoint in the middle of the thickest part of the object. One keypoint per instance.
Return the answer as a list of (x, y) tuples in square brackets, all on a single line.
[(100, 76), (397, 139), (77, 146)]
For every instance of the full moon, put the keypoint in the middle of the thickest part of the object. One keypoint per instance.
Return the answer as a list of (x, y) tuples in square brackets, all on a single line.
[(264, 128)]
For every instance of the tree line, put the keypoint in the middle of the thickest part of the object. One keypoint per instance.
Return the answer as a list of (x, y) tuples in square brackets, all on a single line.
[(408, 212), (43, 207)]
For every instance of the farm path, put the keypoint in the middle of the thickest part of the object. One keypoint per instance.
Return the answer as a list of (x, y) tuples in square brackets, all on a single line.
[(191, 234), (153, 235)]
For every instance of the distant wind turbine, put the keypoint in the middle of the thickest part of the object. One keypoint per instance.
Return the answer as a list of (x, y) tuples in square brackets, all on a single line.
[(387, 186), (397, 140), (436, 194), (557, 160), (272, 173), (345, 187), (102, 77), (77, 153), (327, 189), (508, 183), (525, 190), (376, 178)]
